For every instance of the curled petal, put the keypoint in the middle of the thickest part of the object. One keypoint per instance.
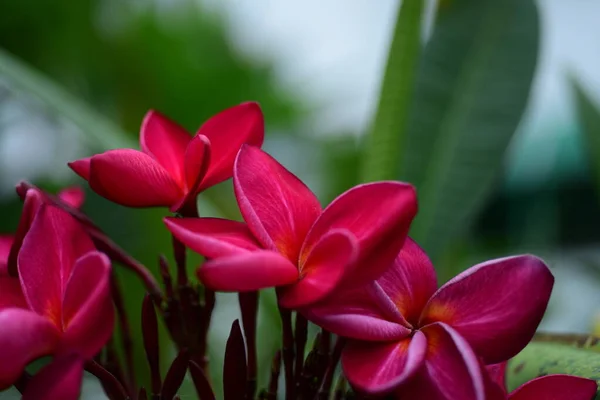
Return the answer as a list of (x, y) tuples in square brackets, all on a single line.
[(248, 272), (88, 315), (47, 257), (73, 196), (451, 365), (355, 313), (496, 306), (24, 337), (410, 281), (330, 259), (378, 215), (132, 178), (227, 132), (166, 141), (212, 237), (277, 206), (11, 294), (381, 367), (197, 160), (59, 380), (33, 201), (556, 387)]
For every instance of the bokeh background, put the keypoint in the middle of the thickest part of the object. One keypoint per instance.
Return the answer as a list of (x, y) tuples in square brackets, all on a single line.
[(77, 78)]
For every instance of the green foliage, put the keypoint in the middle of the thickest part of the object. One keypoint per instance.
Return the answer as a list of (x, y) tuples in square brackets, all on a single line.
[(545, 358), (473, 83), (589, 116)]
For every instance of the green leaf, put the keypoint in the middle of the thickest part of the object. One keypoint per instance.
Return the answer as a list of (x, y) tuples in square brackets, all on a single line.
[(98, 131), (381, 157), (539, 359), (473, 84), (589, 116)]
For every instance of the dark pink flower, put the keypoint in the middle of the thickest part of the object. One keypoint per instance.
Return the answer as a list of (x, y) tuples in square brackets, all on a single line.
[(289, 242), (61, 302), (59, 380), (10, 245), (404, 330), (173, 167), (550, 387)]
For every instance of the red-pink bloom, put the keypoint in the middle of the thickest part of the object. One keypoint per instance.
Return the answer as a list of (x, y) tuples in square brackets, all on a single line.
[(173, 167), (10, 245), (59, 380), (555, 387), (404, 331), (61, 302), (288, 241)]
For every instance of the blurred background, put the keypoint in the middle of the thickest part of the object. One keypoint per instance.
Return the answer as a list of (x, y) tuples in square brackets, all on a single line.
[(76, 78)]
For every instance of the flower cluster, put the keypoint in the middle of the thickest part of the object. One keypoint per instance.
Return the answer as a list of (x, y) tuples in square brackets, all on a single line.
[(349, 268)]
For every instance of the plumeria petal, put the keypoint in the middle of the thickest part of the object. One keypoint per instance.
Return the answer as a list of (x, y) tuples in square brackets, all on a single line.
[(496, 306), (6, 242), (357, 313), (59, 380), (132, 178), (380, 367), (47, 257), (24, 337), (248, 272), (81, 167), (379, 215), (73, 196), (410, 281), (330, 259), (166, 141), (11, 294), (88, 316), (560, 387), (277, 206), (497, 372), (212, 237), (227, 132), (451, 365), (33, 201), (197, 162)]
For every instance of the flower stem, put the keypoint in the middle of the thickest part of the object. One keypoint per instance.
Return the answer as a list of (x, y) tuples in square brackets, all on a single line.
[(288, 353), (126, 339), (113, 388), (335, 358), (249, 308)]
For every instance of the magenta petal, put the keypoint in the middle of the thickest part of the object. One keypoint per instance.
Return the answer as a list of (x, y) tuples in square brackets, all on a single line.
[(197, 162), (378, 215), (81, 167), (330, 259), (166, 141), (410, 281), (277, 206), (6, 242), (134, 179), (560, 387), (380, 367), (247, 272), (24, 337), (212, 237), (497, 373), (73, 196), (227, 132), (88, 315), (47, 257), (59, 380), (11, 294), (451, 365), (496, 306), (33, 201)]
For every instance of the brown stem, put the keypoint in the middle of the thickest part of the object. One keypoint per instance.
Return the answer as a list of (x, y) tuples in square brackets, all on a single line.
[(22, 382), (288, 353), (300, 338), (335, 358), (249, 307), (126, 339), (112, 386)]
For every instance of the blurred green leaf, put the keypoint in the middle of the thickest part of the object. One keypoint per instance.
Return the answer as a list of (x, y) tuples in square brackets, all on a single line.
[(539, 359), (99, 132), (383, 146), (589, 116), (473, 83)]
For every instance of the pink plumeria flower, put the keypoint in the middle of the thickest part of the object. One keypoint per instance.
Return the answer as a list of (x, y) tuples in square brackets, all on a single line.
[(173, 167), (60, 302), (288, 241), (59, 380), (549, 387), (10, 245), (406, 334)]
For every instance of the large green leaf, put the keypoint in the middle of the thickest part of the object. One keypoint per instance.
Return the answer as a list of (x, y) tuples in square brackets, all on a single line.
[(381, 158), (589, 116), (543, 358), (473, 84)]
